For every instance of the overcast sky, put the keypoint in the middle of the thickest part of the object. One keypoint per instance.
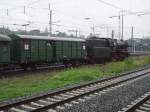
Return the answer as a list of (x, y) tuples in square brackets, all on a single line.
[(71, 14)]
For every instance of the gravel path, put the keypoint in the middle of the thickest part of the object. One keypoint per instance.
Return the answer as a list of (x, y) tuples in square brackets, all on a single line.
[(113, 100)]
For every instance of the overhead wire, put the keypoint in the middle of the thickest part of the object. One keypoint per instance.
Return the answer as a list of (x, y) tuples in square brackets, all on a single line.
[(109, 4), (114, 6)]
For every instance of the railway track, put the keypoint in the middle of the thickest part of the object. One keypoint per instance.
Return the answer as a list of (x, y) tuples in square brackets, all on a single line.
[(55, 101), (142, 104), (49, 68), (18, 71), (140, 54)]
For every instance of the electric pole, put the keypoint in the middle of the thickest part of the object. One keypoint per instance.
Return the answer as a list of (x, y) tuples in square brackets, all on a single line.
[(76, 33), (50, 21), (24, 10), (132, 43), (93, 30), (107, 28), (7, 12), (112, 35), (122, 28), (119, 26)]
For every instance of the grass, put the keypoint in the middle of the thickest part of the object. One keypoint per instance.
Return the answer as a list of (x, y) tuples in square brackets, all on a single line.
[(34, 83)]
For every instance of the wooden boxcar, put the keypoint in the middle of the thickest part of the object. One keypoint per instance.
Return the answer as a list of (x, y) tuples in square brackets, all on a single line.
[(4, 50), (69, 49), (31, 50)]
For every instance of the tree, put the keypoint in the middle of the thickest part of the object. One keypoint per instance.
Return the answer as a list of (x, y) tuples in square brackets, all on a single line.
[(61, 34), (4, 30)]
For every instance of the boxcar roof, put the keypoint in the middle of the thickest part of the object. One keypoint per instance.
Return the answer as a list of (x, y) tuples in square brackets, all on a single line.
[(4, 38), (51, 38)]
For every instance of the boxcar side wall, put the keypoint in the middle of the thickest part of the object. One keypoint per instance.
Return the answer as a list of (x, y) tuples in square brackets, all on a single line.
[(49, 51), (25, 51), (15, 51), (70, 50), (74, 50), (42, 50), (35, 51), (4, 52)]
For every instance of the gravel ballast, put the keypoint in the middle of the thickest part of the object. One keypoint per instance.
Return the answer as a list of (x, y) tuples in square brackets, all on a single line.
[(113, 100)]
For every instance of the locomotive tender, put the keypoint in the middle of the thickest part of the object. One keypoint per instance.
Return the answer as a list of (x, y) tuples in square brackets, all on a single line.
[(30, 51)]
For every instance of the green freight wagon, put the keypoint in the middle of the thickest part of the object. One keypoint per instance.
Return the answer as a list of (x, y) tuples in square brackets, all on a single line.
[(4, 50), (31, 50)]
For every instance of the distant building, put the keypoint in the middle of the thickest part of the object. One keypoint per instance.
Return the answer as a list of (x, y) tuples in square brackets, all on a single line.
[(139, 44)]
